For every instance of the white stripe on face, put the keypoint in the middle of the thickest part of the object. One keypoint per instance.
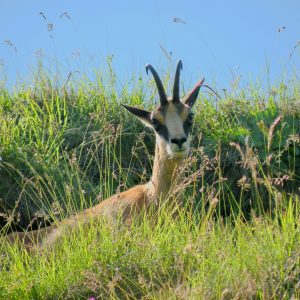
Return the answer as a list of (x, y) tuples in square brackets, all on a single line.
[(174, 124)]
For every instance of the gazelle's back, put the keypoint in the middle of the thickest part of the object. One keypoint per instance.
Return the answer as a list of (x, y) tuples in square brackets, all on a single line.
[(126, 203)]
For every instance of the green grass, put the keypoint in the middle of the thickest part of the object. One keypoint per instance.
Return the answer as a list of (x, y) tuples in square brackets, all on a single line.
[(180, 259), (64, 149)]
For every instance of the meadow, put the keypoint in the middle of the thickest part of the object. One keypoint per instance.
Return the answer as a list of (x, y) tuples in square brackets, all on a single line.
[(66, 147)]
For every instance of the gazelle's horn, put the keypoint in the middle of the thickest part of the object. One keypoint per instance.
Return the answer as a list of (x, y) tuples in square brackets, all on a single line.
[(176, 96), (161, 91)]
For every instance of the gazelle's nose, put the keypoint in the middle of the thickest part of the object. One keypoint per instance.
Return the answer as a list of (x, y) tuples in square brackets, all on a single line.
[(179, 142)]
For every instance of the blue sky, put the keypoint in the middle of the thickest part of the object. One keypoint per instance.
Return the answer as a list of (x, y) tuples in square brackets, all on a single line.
[(221, 40)]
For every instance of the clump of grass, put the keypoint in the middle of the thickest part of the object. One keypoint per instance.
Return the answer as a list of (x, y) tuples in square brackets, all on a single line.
[(250, 151), (185, 258), (58, 141), (64, 149)]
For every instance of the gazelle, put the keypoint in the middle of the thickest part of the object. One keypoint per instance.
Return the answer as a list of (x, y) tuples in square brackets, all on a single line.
[(171, 122)]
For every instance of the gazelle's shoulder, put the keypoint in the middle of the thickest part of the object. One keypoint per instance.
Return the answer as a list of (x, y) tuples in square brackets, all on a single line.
[(133, 195)]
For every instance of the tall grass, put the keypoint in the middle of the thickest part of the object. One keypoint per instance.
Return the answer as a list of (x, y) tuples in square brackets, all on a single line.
[(66, 148), (186, 258)]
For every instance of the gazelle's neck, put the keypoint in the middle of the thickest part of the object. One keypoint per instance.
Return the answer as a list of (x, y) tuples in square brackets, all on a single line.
[(167, 173)]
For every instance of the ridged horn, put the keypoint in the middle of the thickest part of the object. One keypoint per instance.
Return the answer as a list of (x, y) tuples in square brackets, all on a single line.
[(161, 91), (176, 96)]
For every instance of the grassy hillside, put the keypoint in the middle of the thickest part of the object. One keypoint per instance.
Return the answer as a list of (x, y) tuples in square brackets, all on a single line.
[(65, 148)]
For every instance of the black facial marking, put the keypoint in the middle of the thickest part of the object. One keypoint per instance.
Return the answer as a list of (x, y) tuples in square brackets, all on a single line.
[(188, 124), (160, 129), (156, 124)]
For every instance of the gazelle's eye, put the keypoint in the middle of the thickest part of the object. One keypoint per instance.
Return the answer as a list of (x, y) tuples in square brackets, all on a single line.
[(156, 124), (189, 120)]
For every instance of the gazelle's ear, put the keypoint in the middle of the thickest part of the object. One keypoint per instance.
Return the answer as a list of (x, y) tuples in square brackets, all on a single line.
[(142, 114), (191, 97)]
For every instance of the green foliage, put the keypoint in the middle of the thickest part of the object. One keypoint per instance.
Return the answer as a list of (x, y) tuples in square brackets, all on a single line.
[(184, 258), (63, 149), (56, 141)]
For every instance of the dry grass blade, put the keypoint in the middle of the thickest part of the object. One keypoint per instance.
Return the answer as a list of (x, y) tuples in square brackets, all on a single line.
[(271, 131), (167, 54), (43, 15), (179, 20), (295, 47), (65, 14), (212, 90)]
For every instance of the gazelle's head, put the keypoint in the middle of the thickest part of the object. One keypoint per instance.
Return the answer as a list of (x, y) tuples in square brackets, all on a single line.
[(172, 119)]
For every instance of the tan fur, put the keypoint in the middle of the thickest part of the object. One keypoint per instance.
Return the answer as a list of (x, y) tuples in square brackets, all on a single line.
[(159, 116), (184, 114)]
